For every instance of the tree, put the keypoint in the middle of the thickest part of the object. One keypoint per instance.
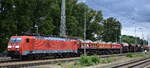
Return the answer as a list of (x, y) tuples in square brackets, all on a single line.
[(94, 26), (133, 40), (20, 16), (112, 30)]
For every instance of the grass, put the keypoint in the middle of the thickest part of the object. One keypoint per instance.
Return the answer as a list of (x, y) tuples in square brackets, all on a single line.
[(71, 65), (86, 61), (89, 60), (93, 60), (106, 60), (132, 55)]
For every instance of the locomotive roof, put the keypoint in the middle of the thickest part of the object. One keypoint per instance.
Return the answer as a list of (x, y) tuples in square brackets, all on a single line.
[(49, 37)]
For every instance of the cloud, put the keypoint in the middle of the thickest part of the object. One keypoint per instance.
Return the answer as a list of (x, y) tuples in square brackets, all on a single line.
[(123, 8), (132, 13)]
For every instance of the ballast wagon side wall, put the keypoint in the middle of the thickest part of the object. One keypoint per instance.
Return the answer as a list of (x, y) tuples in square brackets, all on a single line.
[(99, 48)]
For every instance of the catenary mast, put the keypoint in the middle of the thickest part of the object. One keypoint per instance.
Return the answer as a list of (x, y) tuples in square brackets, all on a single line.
[(63, 19)]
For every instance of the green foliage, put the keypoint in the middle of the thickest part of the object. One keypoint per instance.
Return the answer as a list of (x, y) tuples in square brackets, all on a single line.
[(109, 60), (133, 40), (130, 55), (95, 59), (20, 16), (85, 60), (89, 60), (147, 53), (106, 60), (112, 30)]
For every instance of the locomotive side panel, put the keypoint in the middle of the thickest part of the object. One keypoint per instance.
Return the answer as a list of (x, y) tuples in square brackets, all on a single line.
[(27, 45), (54, 46)]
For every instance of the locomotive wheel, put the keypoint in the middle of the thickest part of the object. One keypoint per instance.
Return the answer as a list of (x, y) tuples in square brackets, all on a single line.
[(37, 56), (30, 57), (23, 57)]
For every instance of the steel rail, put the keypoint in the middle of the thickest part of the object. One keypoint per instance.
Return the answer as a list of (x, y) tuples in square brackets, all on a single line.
[(19, 63), (133, 63)]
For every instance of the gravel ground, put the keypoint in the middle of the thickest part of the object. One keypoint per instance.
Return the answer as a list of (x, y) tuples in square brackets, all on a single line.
[(4, 58), (47, 66), (59, 65), (116, 60)]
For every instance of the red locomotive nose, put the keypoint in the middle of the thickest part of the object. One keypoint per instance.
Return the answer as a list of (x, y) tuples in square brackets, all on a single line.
[(14, 44)]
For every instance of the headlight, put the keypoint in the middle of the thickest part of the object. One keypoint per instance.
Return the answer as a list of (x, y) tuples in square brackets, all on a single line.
[(17, 46), (9, 46)]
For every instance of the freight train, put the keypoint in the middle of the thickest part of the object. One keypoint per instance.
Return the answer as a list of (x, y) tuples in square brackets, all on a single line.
[(41, 46)]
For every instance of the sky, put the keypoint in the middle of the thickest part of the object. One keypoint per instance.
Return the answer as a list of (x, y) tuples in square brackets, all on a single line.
[(133, 14)]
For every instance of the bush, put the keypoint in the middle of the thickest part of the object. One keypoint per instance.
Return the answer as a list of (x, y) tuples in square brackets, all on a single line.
[(130, 55), (109, 60), (147, 53), (106, 60), (89, 60), (95, 59)]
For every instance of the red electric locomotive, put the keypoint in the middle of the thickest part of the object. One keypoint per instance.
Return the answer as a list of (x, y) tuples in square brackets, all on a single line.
[(20, 46)]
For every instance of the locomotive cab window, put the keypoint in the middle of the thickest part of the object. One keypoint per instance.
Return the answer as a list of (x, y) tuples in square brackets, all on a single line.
[(15, 40), (27, 40)]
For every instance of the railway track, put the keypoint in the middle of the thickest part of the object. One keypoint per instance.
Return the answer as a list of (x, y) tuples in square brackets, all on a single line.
[(29, 63), (35, 63), (140, 63), (146, 65), (6, 59)]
